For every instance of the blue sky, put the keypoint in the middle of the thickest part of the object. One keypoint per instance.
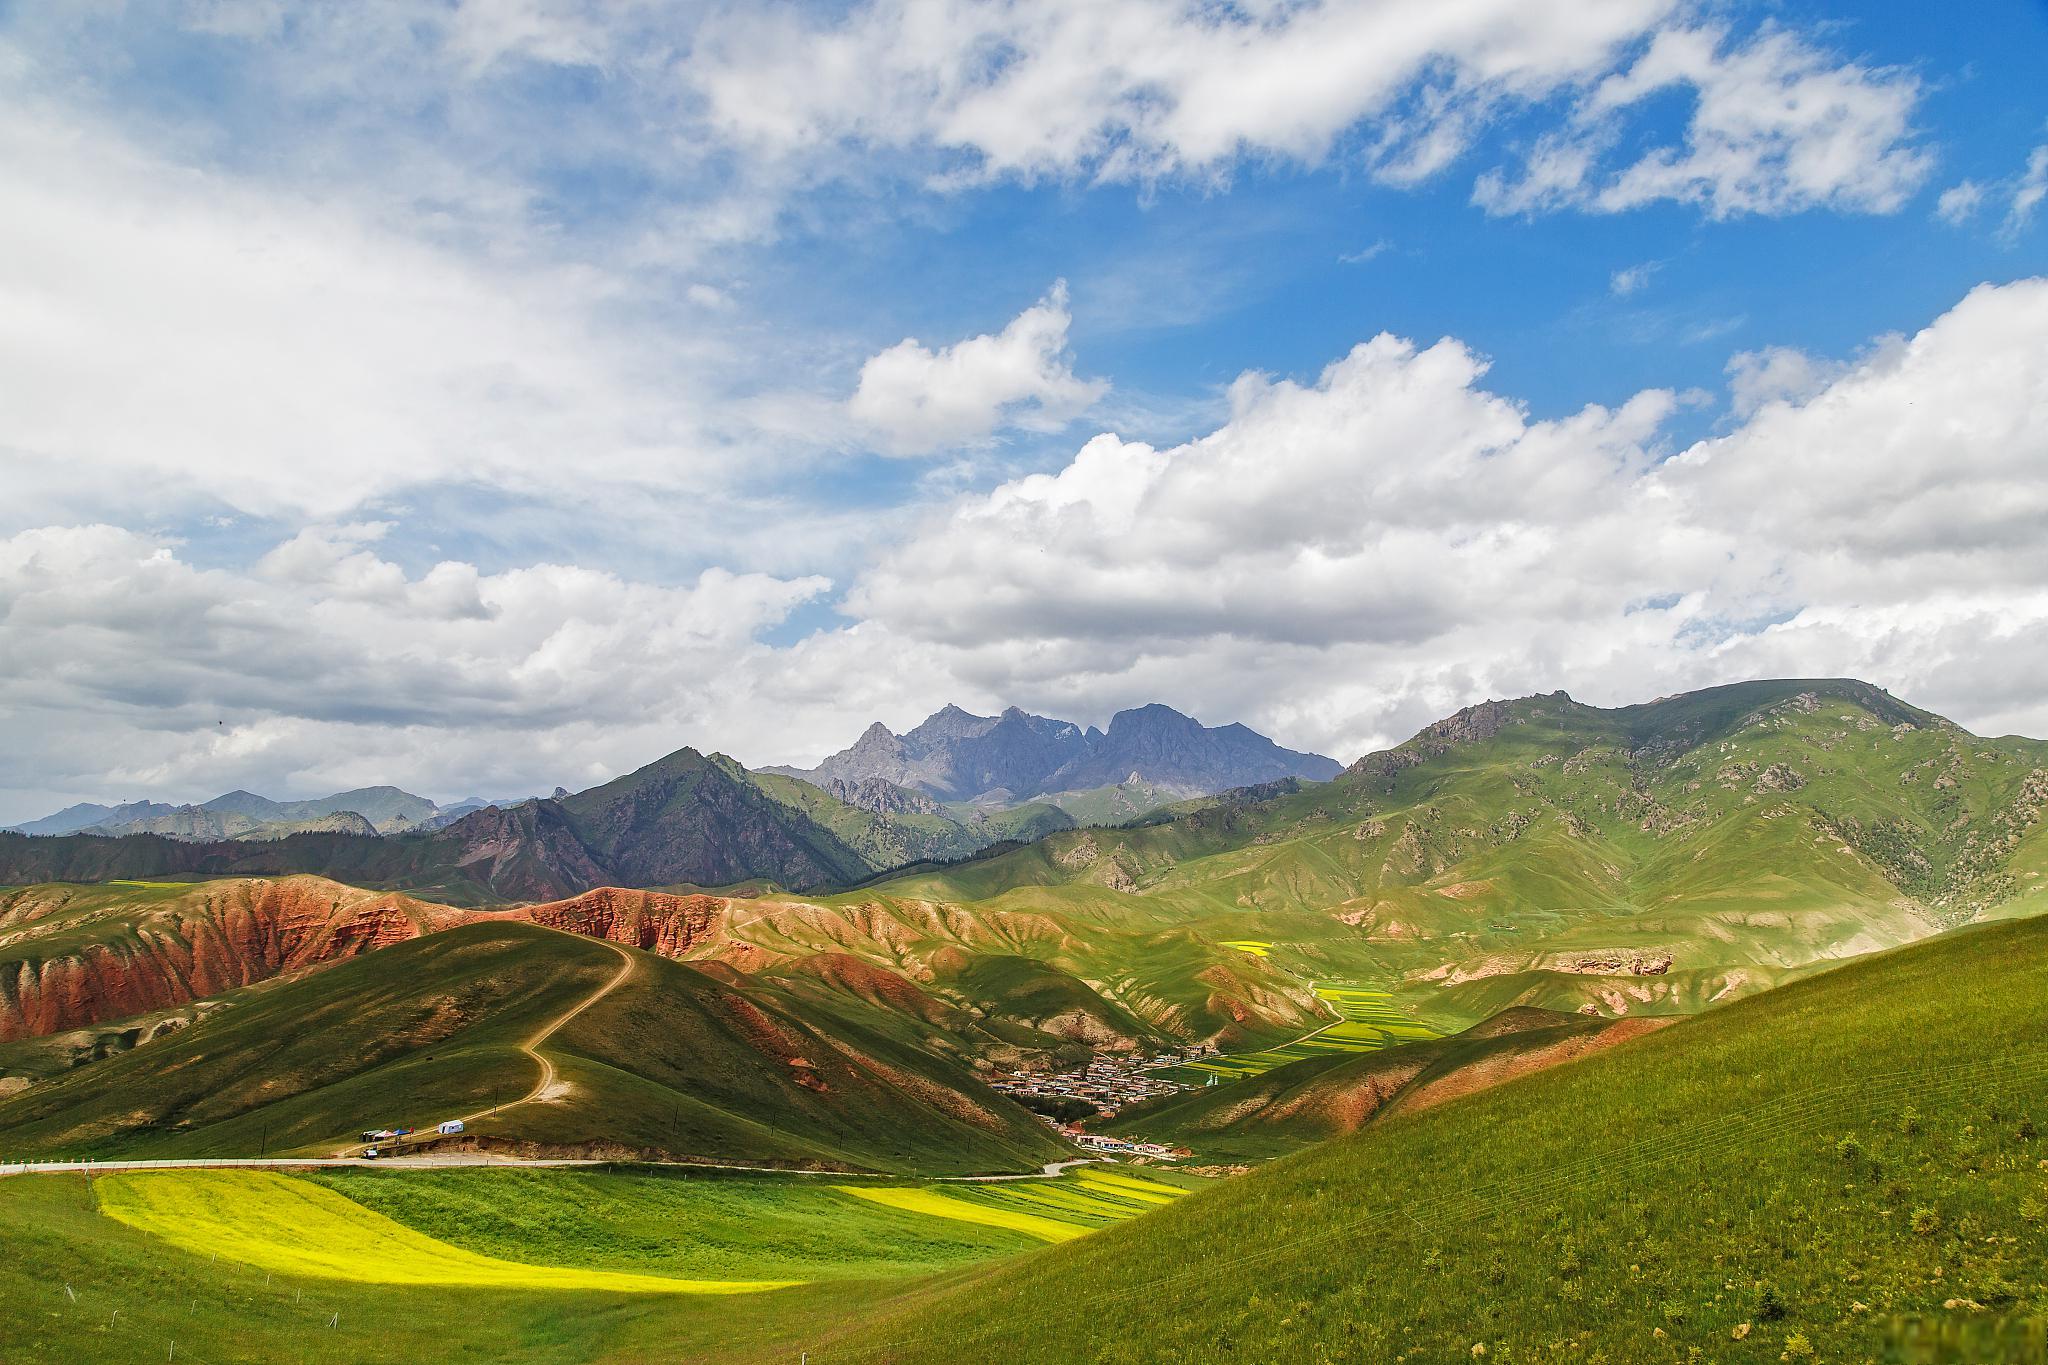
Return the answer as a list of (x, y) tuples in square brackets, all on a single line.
[(488, 395)]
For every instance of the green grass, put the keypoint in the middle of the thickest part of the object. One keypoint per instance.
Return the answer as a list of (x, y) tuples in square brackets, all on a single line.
[(671, 1064), (1367, 1021), (294, 1227), (1831, 1164), (701, 1225), (227, 1281), (80, 1288)]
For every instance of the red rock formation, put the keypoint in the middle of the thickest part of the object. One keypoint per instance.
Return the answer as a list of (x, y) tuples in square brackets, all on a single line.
[(221, 936), (654, 920)]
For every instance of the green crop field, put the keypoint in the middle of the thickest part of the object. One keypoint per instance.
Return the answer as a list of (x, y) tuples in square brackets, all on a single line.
[(505, 1264), (294, 1227), (687, 1224), (1368, 1020)]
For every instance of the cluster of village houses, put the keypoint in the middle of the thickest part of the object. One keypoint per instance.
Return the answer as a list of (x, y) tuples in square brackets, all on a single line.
[(1107, 1084)]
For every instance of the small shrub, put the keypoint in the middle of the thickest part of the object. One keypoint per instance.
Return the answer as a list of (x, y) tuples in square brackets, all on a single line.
[(1849, 1150), (1769, 1307), (1925, 1222), (1797, 1347), (1909, 1121), (2027, 1131)]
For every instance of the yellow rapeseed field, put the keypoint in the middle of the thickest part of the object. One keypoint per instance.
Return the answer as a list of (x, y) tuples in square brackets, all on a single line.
[(295, 1227), (939, 1205)]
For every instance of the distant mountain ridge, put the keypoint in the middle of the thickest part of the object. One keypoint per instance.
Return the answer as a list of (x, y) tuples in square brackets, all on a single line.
[(956, 756), (685, 819), (245, 815)]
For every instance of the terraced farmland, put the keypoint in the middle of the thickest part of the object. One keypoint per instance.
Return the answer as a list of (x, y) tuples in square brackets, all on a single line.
[(1369, 1020)]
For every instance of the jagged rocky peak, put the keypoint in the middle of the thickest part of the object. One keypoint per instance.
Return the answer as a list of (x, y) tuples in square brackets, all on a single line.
[(956, 755), (882, 797)]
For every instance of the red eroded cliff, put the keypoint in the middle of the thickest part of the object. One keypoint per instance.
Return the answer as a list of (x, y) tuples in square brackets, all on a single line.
[(132, 960), (655, 920)]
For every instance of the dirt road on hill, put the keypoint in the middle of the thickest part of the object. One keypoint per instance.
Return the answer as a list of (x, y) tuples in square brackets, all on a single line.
[(550, 1084)]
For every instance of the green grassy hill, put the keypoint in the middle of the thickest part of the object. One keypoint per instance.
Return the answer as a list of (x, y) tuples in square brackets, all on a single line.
[(1320, 1097), (1818, 1173), (1645, 859), (671, 1063)]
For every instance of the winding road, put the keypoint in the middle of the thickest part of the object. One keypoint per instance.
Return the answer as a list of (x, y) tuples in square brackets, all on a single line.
[(353, 1155), (628, 965)]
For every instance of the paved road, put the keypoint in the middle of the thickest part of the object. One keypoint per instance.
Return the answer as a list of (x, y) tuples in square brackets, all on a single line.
[(433, 1162)]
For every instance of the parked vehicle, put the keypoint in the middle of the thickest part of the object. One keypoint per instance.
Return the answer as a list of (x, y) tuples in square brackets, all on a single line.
[(370, 1154), (451, 1126)]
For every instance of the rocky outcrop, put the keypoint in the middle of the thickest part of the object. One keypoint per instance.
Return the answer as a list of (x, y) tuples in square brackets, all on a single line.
[(220, 936), (653, 920), (883, 797)]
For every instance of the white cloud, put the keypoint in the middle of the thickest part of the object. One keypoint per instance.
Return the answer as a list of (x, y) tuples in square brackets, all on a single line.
[(1343, 560), (171, 338), (1632, 279), (1337, 562), (1775, 374), (1148, 90), (2027, 193), (325, 659), (1778, 126), (917, 400), (1959, 202)]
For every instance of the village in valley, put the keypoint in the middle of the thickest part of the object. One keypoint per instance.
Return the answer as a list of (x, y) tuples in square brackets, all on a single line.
[(1105, 1085)]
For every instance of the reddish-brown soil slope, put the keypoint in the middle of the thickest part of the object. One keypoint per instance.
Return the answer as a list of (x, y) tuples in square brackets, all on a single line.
[(69, 963)]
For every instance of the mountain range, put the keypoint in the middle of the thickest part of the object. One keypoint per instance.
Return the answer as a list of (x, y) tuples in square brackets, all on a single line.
[(245, 815), (687, 818), (956, 756)]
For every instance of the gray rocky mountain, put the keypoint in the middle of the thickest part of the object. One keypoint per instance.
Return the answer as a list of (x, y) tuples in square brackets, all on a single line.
[(957, 756)]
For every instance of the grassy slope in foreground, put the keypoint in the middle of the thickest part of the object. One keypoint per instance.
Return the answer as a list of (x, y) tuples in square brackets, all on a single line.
[(294, 1227), (80, 1288), (565, 1222), (1817, 1163), (700, 1225)]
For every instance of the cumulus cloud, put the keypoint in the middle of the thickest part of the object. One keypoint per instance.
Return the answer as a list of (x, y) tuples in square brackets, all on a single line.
[(1350, 556), (128, 660), (1775, 374), (1778, 126), (917, 400), (1337, 562)]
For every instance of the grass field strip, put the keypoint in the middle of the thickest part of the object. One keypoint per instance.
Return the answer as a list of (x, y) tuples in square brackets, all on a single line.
[(1053, 1211), (294, 1227), (1368, 1020), (1816, 1109)]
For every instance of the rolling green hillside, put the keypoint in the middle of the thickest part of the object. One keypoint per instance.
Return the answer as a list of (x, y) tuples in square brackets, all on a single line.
[(669, 1062), (1540, 852), (1320, 1097), (1815, 1173)]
